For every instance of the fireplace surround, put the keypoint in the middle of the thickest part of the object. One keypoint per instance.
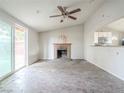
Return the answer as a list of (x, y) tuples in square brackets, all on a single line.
[(62, 50)]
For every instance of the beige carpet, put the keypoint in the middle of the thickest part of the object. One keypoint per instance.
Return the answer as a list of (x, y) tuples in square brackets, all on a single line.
[(62, 76)]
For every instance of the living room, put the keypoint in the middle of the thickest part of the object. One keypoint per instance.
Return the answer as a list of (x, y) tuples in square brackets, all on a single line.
[(65, 46)]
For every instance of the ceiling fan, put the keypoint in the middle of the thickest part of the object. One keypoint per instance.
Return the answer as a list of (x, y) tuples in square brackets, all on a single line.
[(65, 13)]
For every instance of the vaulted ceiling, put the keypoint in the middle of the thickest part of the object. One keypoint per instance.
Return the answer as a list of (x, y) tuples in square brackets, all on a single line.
[(35, 13), (117, 25)]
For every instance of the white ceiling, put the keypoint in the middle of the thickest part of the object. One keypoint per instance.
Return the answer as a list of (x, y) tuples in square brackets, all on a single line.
[(117, 25), (26, 11)]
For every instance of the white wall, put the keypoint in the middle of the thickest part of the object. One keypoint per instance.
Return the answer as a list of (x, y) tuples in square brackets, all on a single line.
[(75, 36), (33, 46), (33, 36), (110, 59)]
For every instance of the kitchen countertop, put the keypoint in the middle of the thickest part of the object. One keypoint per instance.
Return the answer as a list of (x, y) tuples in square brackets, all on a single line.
[(107, 46)]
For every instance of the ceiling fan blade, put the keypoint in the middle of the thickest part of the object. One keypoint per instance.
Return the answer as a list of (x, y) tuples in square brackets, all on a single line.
[(74, 11), (61, 9), (74, 18), (56, 16), (65, 8)]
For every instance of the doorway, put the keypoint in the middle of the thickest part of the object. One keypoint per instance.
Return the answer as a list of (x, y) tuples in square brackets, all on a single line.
[(20, 47)]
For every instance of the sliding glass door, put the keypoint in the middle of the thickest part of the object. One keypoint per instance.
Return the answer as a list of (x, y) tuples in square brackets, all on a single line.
[(5, 49), (20, 57), (12, 48)]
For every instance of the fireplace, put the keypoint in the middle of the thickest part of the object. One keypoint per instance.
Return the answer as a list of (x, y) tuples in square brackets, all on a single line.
[(61, 53), (62, 50)]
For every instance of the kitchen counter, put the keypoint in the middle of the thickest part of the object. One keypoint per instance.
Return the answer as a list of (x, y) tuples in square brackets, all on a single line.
[(107, 46)]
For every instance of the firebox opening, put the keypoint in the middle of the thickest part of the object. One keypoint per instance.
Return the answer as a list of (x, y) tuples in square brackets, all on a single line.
[(61, 53)]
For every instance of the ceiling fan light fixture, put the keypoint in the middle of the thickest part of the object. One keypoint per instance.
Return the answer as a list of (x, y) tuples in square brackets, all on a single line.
[(61, 21)]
